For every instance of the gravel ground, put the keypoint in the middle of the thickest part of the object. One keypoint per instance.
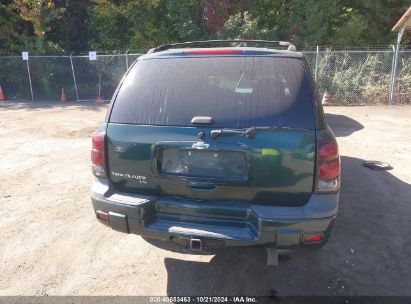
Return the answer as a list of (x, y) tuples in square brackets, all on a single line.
[(51, 243)]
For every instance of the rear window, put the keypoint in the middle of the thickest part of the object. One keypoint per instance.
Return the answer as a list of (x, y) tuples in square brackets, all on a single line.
[(237, 92)]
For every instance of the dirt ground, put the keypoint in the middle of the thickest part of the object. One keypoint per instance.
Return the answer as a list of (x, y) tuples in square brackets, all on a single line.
[(51, 243)]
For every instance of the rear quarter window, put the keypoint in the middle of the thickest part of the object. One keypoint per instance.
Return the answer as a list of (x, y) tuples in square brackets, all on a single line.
[(237, 92)]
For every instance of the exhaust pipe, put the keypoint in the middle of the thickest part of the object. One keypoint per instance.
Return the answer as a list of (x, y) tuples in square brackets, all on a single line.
[(196, 245)]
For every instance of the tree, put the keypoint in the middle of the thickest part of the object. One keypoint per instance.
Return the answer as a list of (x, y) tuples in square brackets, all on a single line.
[(375, 18), (135, 24), (318, 22), (80, 25), (185, 19), (66, 23), (16, 33)]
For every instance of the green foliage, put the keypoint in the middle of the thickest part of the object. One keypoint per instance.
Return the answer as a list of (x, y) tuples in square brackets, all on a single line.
[(78, 25), (185, 19), (66, 23), (403, 80), (319, 22), (111, 26), (242, 26), (136, 24), (16, 33), (355, 77)]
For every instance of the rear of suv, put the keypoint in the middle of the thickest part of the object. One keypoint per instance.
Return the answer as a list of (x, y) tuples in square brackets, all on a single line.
[(217, 146)]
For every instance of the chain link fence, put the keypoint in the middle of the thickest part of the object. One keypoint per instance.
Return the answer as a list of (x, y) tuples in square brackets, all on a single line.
[(348, 76), (46, 76), (359, 76), (402, 89)]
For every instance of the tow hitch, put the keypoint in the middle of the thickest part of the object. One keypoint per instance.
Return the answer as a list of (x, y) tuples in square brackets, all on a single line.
[(196, 245)]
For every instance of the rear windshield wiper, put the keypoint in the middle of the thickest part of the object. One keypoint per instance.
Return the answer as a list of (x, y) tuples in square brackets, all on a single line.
[(249, 132)]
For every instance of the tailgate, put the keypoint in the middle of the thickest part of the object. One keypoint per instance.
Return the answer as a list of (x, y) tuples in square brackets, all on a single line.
[(273, 167)]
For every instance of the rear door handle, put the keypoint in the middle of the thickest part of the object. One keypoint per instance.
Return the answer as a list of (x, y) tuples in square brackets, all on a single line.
[(201, 186)]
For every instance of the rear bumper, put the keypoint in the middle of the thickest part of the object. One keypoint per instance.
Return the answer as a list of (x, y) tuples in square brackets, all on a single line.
[(215, 223)]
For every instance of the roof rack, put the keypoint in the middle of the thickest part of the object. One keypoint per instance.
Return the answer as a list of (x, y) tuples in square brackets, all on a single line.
[(290, 47)]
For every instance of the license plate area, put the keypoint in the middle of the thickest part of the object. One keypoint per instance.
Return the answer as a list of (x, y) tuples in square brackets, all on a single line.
[(211, 163)]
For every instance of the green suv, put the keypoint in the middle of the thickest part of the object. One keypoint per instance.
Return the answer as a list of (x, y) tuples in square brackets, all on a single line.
[(218, 146)]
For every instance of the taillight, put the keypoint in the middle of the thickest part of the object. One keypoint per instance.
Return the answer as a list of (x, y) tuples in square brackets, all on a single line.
[(312, 238), (328, 166), (97, 155)]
